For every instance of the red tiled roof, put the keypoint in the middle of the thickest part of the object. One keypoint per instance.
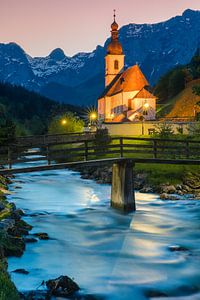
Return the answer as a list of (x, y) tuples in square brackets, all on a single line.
[(131, 79), (143, 93)]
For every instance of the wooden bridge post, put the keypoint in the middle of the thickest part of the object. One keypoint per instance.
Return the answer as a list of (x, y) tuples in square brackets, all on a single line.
[(9, 159), (122, 195), (48, 155)]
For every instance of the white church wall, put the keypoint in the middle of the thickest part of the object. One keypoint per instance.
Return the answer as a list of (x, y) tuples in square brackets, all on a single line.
[(136, 128)]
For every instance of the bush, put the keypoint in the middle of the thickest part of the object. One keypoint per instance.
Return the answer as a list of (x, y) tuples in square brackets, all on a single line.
[(164, 130), (7, 288), (66, 123), (102, 140), (194, 129)]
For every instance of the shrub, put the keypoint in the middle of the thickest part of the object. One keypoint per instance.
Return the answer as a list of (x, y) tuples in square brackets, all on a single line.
[(66, 123), (164, 130), (102, 140)]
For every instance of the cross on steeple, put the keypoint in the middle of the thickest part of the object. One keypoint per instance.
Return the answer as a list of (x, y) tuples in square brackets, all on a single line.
[(114, 14)]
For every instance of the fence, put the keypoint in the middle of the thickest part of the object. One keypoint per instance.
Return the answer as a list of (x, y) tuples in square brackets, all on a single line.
[(86, 149)]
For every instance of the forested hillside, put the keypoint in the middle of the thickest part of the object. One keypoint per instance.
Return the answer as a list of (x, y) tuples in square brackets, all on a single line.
[(27, 111), (176, 80)]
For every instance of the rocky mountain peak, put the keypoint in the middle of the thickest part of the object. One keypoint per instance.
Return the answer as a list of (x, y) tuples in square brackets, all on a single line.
[(57, 54)]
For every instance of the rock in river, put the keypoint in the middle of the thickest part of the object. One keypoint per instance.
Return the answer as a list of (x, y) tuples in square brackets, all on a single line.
[(62, 286), (21, 271), (42, 235)]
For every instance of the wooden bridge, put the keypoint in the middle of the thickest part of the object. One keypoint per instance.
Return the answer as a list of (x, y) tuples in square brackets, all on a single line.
[(65, 151)]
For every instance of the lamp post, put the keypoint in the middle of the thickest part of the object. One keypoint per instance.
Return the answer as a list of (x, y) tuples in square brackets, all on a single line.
[(144, 113), (92, 118)]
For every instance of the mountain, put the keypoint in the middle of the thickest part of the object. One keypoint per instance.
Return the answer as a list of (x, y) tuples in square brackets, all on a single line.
[(79, 79)]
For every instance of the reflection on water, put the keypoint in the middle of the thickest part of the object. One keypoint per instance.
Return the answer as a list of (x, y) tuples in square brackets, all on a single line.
[(108, 253)]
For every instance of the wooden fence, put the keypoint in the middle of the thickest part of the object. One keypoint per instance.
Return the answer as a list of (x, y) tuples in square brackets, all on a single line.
[(84, 149)]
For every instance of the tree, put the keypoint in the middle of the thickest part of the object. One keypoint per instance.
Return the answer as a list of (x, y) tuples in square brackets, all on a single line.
[(7, 131), (196, 90), (66, 123), (195, 65), (176, 83)]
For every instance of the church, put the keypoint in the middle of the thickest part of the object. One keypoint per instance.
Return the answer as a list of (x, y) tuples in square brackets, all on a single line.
[(127, 96)]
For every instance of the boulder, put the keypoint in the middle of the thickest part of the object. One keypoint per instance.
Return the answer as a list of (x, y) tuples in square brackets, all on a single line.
[(17, 214), (21, 271), (42, 235), (62, 286), (177, 248), (29, 240), (164, 196), (168, 189), (2, 206), (146, 189)]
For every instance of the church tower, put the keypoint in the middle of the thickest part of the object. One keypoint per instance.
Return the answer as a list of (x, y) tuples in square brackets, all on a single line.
[(115, 58)]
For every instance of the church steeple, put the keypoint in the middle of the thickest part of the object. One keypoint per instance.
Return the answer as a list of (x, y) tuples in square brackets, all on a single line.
[(115, 57), (114, 47)]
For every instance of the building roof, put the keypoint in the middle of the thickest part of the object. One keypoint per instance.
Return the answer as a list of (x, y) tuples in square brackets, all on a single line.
[(144, 93), (120, 118), (132, 79)]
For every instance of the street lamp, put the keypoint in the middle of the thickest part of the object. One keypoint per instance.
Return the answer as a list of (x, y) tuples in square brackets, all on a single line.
[(63, 121), (93, 116)]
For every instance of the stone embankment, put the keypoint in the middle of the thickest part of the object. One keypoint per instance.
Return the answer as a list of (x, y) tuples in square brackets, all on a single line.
[(189, 186)]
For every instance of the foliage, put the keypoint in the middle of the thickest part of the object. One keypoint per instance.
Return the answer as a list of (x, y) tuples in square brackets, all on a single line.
[(196, 91), (7, 288), (194, 129), (30, 112), (102, 139), (164, 130), (170, 84), (66, 123), (162, 174), (173, 82), (7, 131), (194, 65), (176, 83)]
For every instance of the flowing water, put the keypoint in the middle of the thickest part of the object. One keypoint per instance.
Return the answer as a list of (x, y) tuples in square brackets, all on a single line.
[(107, 253)]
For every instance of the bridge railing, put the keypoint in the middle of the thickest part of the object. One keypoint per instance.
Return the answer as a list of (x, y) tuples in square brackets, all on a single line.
[(86, 149)]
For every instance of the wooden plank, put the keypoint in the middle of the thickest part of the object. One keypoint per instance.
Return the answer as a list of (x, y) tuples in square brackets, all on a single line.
[(98, 162)]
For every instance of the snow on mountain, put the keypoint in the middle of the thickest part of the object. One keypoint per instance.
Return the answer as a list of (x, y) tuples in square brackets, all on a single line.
[(79, 79)]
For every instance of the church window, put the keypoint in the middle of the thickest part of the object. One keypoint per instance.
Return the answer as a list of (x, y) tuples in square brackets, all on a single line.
[(116, 64)]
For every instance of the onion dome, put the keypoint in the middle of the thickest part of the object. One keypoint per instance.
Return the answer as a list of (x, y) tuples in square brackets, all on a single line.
[(114, 25), (114, 47)]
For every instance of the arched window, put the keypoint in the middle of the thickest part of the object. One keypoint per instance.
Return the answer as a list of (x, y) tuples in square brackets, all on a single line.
[(116, 64)]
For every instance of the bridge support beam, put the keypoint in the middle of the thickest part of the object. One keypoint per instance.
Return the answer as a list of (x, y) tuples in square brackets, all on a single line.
[(122, 195)]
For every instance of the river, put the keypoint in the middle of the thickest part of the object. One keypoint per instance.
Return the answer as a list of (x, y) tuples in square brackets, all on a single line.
[(107, 253)]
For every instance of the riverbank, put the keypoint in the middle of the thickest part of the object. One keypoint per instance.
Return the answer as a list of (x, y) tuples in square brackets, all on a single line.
[(14, 235), (170, 182), (11, 242)]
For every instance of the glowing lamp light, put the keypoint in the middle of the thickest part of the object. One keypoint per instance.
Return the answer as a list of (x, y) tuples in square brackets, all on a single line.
[(112, 116), (93, 116), (64, 122), (146, 105)]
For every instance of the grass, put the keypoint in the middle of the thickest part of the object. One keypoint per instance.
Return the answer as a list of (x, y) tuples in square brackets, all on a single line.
[(156, 173), (8, 290), (162, 174), (182, 105)]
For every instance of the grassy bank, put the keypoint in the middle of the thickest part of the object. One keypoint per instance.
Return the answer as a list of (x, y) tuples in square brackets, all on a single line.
[(158, 174), (8, 290)]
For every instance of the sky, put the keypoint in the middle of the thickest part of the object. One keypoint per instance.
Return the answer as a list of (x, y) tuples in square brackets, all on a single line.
[(40, 26)]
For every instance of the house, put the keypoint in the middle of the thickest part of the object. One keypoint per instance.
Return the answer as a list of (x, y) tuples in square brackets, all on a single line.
[(127, 95)]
